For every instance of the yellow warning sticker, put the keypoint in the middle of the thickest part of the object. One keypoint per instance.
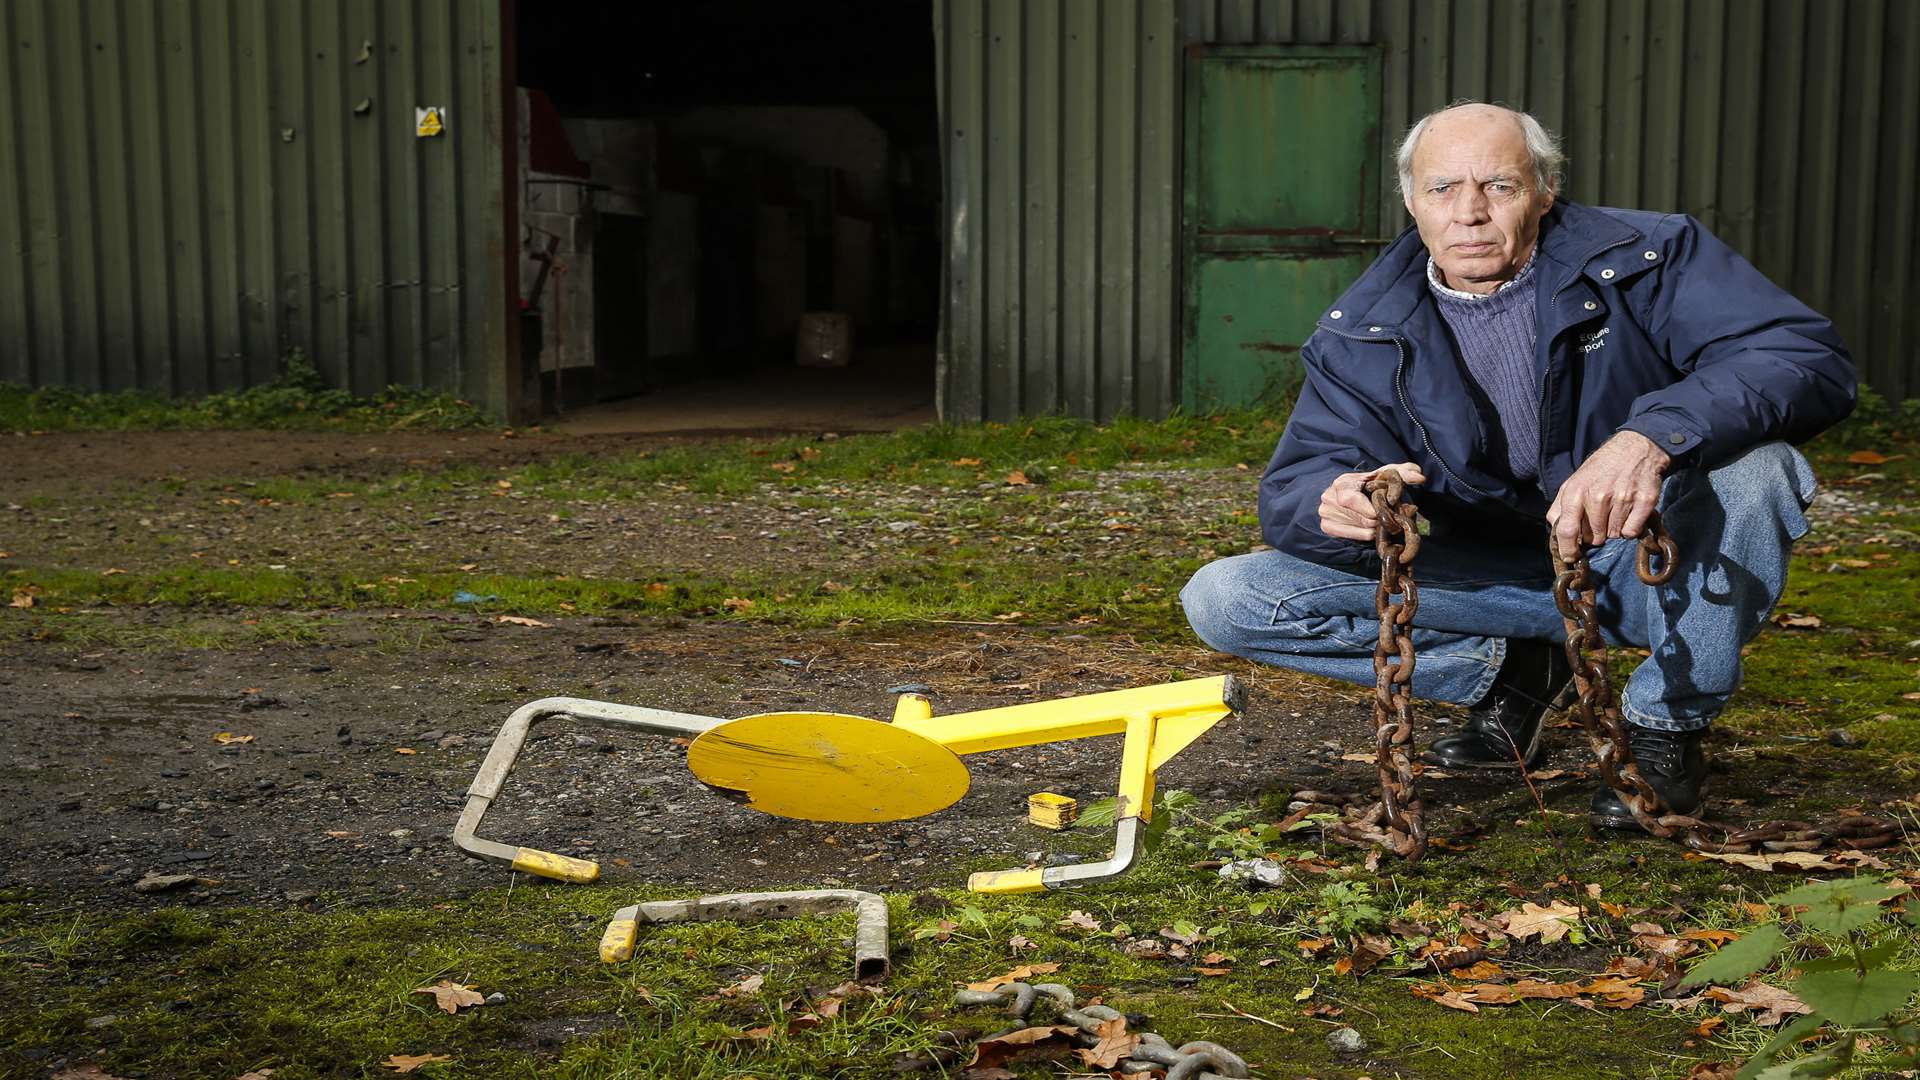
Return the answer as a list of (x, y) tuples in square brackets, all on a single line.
[(429, 120)]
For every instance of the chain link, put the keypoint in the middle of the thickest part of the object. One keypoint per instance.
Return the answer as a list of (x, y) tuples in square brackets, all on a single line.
[(1398, 820), (1575, 593), (1196, 1060)]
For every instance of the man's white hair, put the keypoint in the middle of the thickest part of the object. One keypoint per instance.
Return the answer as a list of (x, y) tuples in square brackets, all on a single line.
[(1542, 147)]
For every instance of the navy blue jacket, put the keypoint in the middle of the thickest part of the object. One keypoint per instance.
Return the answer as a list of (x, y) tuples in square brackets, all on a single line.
[(1645, 322)]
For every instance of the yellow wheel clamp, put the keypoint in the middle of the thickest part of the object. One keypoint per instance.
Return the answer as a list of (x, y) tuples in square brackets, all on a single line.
[(833, 767)]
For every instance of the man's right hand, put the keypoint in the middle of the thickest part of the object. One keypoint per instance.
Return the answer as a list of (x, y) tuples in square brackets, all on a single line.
[(1346, 511)]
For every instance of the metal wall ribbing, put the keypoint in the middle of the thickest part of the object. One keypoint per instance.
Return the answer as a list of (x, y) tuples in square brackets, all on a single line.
[(191, 188), (1060, 145), (1789, 127)]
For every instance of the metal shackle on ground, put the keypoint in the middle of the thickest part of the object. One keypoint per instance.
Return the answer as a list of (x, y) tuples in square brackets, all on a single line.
[(1396, 822)]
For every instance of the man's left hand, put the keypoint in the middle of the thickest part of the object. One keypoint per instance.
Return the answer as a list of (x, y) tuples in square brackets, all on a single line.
[(1610, 496)]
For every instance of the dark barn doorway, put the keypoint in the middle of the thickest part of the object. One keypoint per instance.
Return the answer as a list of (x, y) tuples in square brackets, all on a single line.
[(737, 205)]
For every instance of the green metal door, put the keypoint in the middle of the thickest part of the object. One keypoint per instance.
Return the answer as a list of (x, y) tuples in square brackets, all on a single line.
[(1281, 208)]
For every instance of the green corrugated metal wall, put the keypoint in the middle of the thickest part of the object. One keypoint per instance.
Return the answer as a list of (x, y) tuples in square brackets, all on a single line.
[(1060, 146), (187, 190), (1788, 126)]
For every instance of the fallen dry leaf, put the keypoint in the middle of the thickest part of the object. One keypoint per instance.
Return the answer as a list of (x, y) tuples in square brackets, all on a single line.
[(22, 598), (1870, 457), (737, 603), (783, 466), (451, 996), (990, 1053), (1480, 972), (257, 1074), (111, 570), (1797, 622), (1440, 994), (1550, 922), (1115, 1044), (1213, 971), (1368, 950), (1016, 975), (1715, 938), (405, 750), (228, 738), (1633, 967), (966, 461), (1018, 478), (83, 1072), (749, 985), (1080, 919), (521, 620), (406, 1063), (1770, 1004), (1771, 860)]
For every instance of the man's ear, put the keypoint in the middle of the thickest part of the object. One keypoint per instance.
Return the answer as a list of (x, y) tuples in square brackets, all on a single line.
[(1545, 205)]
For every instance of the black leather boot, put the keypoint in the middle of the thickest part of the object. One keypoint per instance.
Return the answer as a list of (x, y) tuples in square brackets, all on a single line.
[(1504, 728), (1671, 761)]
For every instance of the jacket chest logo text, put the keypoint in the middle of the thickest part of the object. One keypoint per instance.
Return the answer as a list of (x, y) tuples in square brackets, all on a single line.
[(1590, 342)]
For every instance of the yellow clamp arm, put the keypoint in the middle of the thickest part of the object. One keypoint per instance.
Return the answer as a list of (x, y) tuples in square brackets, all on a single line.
[(559, 867), (618, 942), (1007, 881)]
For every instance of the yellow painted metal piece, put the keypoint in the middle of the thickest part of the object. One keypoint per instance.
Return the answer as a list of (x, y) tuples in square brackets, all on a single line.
[(828, 767), (1202, 701), (1050, 811), (911, 707), (1007, 881), (1135, 794), (559, 867), (618, 942)]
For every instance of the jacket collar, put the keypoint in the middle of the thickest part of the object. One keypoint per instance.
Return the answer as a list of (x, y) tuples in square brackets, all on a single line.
[(1375, 306)]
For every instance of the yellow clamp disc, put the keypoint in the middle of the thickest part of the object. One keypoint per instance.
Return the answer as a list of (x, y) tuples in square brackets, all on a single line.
[(828, 767)]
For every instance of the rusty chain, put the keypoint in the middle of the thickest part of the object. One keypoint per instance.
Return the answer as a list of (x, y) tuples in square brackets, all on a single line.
[(1196, 1060), (1575, 593), (1395, 821)]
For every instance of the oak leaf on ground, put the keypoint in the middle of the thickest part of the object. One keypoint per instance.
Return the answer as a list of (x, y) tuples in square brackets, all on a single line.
[(406, 1063), (1115, 1045), (1770, 1004), (1016, 975), (451, 996), (1550, 923)]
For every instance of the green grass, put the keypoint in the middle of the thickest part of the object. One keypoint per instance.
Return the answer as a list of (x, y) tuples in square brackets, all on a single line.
[(215, 993), (298, 400), (1052, 454), (1137, 591)]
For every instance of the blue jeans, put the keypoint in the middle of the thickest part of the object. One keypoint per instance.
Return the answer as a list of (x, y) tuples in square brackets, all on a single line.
[(1735, 526)]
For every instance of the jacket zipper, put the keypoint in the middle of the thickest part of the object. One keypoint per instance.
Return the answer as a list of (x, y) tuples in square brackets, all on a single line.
[(1546, 378), (1400, 391)]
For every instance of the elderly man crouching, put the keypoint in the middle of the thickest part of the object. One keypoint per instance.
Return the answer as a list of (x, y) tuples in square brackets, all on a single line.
[(1537, 365)]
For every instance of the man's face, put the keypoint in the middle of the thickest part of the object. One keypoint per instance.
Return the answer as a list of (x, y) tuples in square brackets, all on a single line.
[(1475, 198)]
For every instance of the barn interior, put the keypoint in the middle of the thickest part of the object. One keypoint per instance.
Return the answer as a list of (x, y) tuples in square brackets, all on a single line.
[(730, 212)]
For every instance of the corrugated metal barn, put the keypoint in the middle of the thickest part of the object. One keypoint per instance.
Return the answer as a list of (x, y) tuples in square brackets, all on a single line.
[(1076, 131), (1129, 206), (188, 190)]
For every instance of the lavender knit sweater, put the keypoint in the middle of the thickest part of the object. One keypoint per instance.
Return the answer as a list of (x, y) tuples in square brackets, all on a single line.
[(1496, 336)]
